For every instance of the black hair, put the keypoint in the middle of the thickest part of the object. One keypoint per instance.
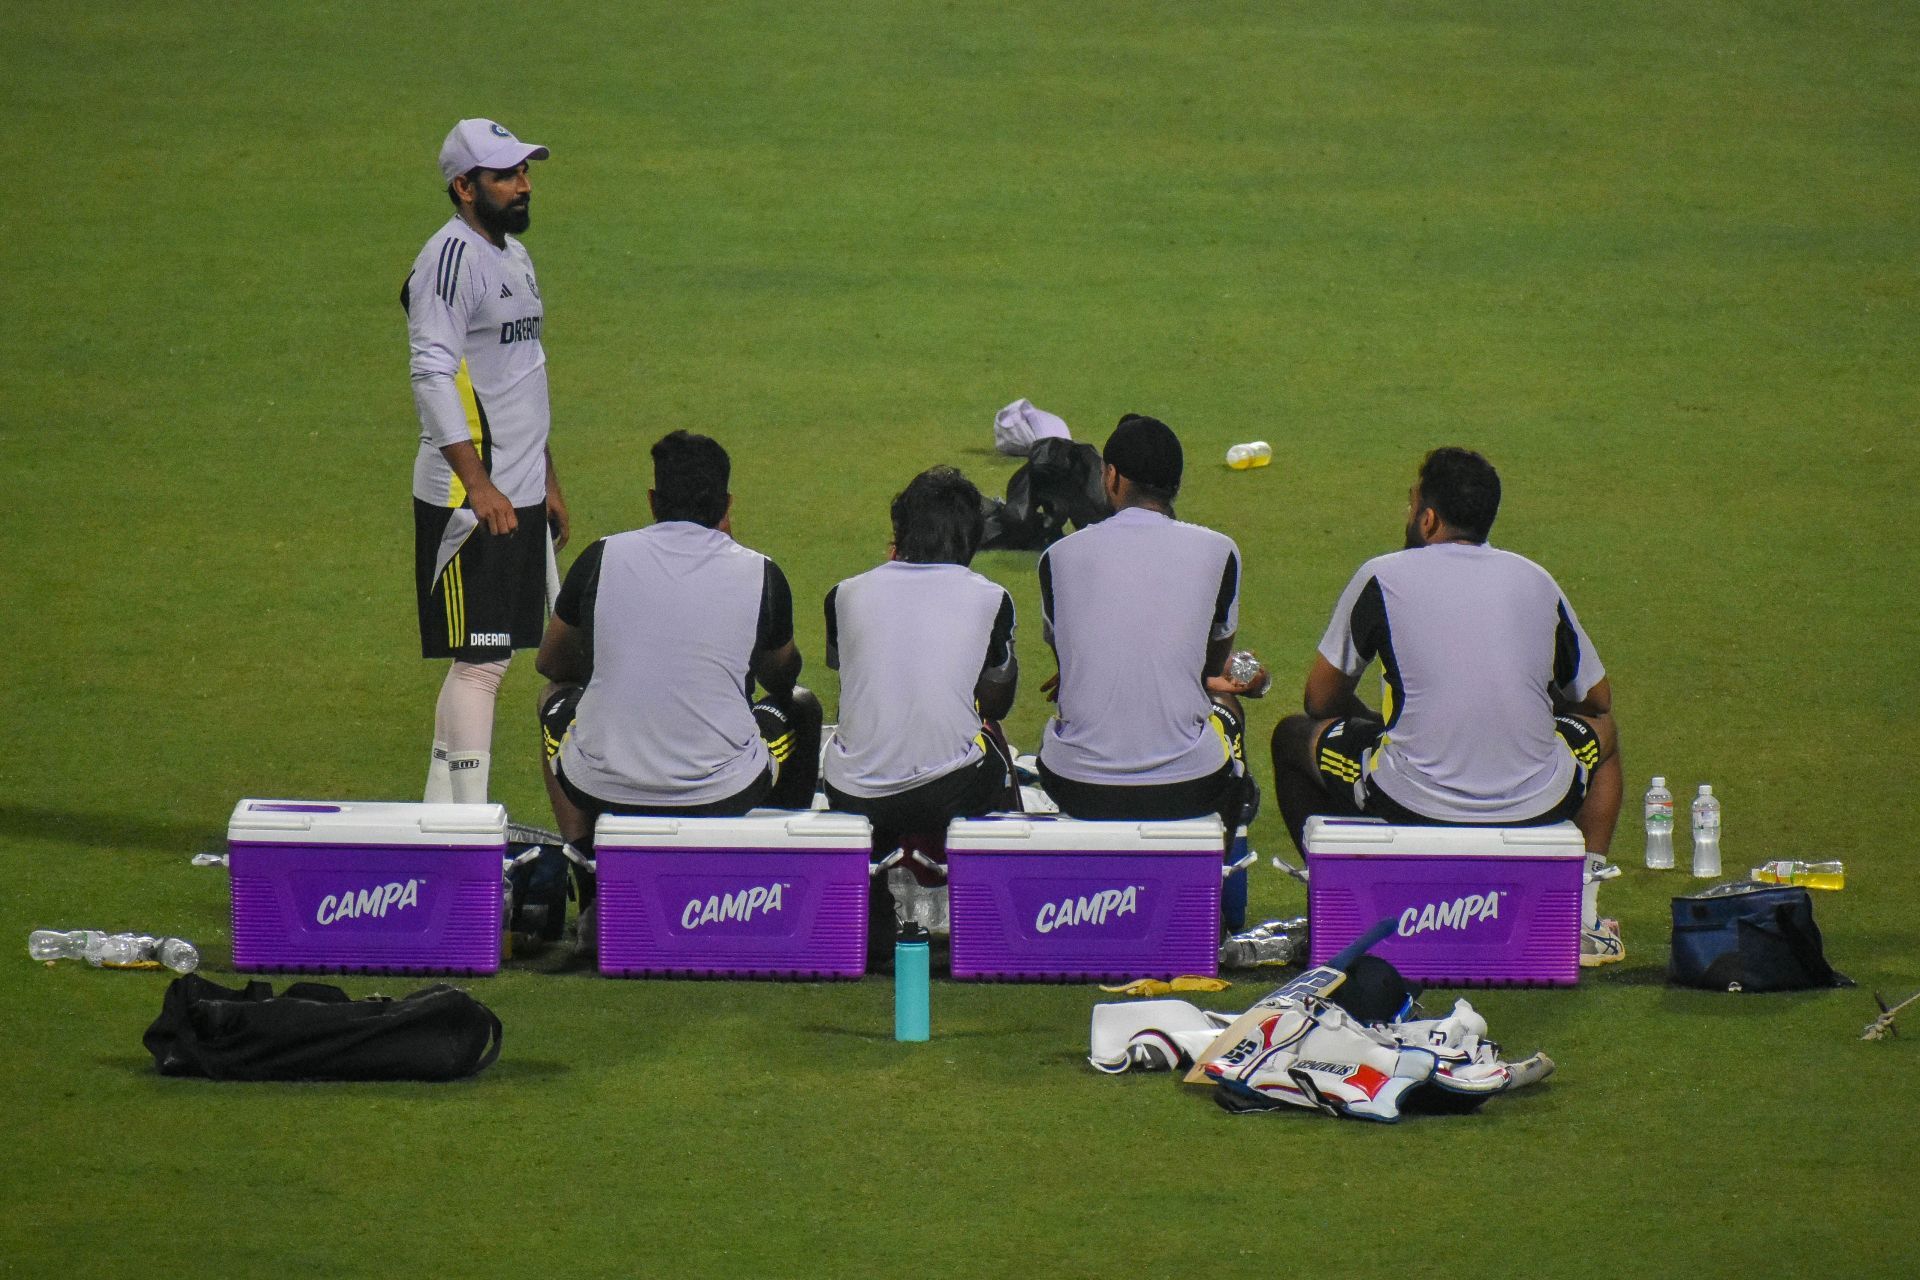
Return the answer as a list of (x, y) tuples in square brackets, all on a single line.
[(1463, 489), (473, 179), (690, 474), (937, 519)]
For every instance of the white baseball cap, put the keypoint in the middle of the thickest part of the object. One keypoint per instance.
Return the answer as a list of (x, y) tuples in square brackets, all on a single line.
[(482, 144)]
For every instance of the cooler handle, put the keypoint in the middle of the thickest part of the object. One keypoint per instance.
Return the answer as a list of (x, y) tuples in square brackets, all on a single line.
[(1537, 836), (276, 822), (828, 827), (1166, 831), (452, 827), (650, 826), (1370, 834)]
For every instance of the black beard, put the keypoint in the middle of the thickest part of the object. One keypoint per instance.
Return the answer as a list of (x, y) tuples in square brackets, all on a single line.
[(498, 220), (1413, 536)]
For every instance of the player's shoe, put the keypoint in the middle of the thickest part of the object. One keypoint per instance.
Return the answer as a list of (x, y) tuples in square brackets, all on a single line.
[(1601, 945)]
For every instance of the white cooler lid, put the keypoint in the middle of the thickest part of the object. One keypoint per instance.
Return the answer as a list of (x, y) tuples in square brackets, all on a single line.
[(366, 822), (762, 828), (1045, 833), (1377, 836)]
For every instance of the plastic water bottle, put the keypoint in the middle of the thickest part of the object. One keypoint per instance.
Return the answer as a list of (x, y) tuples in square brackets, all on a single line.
[(1706, 833), (1245, 457), (1659, 826), (98, 948), (912, 1018)]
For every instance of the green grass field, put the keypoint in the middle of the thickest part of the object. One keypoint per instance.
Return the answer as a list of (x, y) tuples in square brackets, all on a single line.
[(1658, 261)]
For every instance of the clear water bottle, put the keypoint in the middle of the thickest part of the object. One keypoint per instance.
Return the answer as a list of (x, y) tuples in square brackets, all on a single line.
[(120, 949), (1245, 457), (1706, 833), (57, 944), (1659, 808)]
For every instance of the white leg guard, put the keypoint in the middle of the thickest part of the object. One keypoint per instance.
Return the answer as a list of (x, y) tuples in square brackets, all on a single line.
[(463, 732)]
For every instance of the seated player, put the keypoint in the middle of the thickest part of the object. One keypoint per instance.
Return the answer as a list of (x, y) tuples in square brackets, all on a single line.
[(1495, 708), (924, 647), (1141, 611), (653, 648)]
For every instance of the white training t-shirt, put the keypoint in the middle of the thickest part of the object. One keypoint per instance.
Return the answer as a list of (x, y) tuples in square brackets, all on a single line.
[(1130, 605), (673, 615), (479, 371), (1474, 643), (910, 642)]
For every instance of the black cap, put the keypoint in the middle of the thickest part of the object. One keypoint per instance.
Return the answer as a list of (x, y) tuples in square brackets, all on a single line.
[(913, 931), (1145, 451), (1374, 991)]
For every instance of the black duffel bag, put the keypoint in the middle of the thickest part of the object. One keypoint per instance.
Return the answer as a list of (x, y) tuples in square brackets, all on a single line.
[(1749, 936), (313, 1031)]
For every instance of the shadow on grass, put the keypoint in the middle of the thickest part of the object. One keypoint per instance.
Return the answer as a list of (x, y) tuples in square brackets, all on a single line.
[(107, 830), (511, 1067), (886, 1037)]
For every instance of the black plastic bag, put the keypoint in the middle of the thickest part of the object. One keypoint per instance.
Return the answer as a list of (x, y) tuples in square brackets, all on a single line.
[(1748, 936), (316, 1032), (1060, 483)]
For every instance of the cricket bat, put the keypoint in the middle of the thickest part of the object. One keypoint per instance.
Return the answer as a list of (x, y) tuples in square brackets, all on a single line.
[(1318, 982)]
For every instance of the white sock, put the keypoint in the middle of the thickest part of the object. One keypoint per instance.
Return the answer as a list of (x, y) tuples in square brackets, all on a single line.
[(1590, 891), (439, 781), (463, 731), (467, 771)]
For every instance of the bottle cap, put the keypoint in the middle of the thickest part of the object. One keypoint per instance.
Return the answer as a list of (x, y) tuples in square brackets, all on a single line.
[(1706, 788), (913, 931), (1659, 781)]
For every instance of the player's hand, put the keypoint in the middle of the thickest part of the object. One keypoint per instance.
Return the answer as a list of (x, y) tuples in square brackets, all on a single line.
[(1050, 687), (1254, 688), (495, 512), (558, 520)]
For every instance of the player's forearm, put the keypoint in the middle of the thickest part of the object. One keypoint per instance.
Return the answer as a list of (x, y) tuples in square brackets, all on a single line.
[(563, 656), (994, 692), (466, 464)]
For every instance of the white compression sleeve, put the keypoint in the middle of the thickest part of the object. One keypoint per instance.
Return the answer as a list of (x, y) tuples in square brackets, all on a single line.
[(463, 730)]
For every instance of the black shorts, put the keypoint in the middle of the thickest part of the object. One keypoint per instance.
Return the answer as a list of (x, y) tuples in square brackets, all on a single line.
[(966, 792), (787, 783), (1231, 792), (491, 598), (1347, 779)]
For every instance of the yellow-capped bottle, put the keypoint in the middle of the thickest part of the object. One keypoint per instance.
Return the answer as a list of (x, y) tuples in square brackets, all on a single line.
[(1245, 457)]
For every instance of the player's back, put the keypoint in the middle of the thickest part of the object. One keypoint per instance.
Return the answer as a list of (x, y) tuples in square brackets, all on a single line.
[(1469, 637), (1132, 603), (665, 718), (911, 641)]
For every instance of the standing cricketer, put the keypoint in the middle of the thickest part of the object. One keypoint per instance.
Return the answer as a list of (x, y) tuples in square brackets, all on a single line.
[(484, 487)]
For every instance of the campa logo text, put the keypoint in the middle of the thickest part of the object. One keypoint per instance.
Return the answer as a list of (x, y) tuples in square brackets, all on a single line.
[(376, 901), (1094, 908), (1457, 914), (742, 905)]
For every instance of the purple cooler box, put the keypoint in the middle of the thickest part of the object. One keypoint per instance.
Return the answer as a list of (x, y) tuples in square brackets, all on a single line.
[(1473, 906), (1042, 899), (770, 895), (366, 888)]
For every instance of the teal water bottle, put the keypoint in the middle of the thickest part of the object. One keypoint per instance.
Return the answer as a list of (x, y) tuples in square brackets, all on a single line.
[(911, 1015)]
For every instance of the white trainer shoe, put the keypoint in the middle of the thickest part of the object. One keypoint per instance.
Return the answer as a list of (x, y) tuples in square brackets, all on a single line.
[(1601, 945)]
